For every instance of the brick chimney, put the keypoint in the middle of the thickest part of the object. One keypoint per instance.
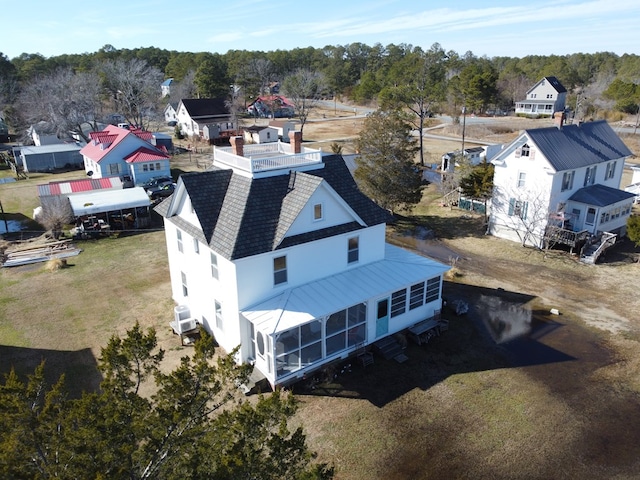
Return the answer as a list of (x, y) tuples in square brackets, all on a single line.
[(237, 145), (295, 139), (558, 119)]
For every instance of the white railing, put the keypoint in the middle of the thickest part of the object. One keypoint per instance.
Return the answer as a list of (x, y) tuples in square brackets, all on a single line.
[(265, 163)]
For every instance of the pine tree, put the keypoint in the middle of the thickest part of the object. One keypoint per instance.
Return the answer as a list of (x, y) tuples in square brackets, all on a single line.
[(386, 170)]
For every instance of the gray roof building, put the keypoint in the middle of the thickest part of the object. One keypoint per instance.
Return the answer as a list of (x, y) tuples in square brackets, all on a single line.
[(243, 216)]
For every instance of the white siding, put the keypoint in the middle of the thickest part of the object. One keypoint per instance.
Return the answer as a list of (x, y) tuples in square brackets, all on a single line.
[(305, 263)]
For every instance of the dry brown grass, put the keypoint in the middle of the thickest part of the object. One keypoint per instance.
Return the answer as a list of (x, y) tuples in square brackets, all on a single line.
[(461, 407)]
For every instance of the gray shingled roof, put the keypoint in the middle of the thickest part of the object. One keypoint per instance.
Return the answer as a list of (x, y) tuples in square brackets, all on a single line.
[(576, 146), (241, 216), (600, 195)]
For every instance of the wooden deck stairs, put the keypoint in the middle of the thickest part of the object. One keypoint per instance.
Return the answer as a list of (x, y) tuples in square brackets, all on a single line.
[(596, 247), (389, 347)]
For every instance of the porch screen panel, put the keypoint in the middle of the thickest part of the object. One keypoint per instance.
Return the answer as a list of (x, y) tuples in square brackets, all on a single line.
[(433, 289), (416, 295), (356, 321), (398, 302)]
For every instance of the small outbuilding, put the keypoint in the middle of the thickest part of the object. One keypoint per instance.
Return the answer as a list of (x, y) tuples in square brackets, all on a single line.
[(49, 158)]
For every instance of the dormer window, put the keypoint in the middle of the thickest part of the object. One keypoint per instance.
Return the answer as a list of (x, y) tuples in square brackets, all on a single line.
[(317, 211)]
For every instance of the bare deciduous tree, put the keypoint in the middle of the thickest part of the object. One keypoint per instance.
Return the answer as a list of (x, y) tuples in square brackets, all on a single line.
[(134, 87), (64, 100), (304, 88), (56, 213), (524, 213)]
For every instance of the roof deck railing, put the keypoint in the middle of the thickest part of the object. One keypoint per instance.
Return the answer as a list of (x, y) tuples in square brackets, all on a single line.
[(266, 157)]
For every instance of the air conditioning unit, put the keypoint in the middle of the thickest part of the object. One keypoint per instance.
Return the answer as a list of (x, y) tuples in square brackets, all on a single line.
[(182, 320)]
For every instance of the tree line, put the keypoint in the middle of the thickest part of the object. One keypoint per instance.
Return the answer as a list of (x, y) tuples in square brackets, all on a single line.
[(357, 72)]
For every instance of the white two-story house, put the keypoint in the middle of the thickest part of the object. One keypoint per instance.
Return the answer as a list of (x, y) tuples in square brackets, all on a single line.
[(560, 184), (275, 250), (193, 114), (545, 98), (124, 153)]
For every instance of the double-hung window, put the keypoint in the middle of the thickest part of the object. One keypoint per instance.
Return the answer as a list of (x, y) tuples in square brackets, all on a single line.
[(567, 180), (185, 289), (218, 307), (522, 178), (214, 266), (590, 176), (179, 237), (279, 270), (611, 170), (353, 250)]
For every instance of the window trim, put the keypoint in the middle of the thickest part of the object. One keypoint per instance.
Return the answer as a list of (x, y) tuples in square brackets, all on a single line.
[(522, 179), (215, 272), (185, 287), (217, 306), (179, 237), (280, 275), (318, 212), (353, 251)]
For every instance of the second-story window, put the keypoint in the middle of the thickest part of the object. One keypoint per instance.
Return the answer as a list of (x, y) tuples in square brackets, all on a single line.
[(522, 177), (196, 245), (525, 150), (353, 253), (567, 180), (611, 170), (279, 270), (214, 266), (179, 236), (590, 176), (317, 211)]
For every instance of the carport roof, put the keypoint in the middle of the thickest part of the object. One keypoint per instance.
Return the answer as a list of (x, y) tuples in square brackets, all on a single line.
[(108, 201)]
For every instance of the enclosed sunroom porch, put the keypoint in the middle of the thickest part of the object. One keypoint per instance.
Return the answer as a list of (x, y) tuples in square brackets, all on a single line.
[(306, 327)]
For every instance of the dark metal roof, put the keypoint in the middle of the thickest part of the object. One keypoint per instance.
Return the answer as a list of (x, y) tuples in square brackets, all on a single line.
[(241, 216), (600, 195), (205, 107), (576, 146)]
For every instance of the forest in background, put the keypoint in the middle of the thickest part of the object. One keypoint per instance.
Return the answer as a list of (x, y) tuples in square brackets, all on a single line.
[(597, 84)]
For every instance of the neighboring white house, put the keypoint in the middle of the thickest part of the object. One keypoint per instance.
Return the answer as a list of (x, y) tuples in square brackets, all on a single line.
[(128, 154), (634, 187), (165, 87), (194, 113), (283, 127), (260, 134), (276, 251), (545, 98), (170, 112), (42, 134), (560, 184)]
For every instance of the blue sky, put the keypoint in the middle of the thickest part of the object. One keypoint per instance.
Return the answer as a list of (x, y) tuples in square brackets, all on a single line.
[(494, 28)]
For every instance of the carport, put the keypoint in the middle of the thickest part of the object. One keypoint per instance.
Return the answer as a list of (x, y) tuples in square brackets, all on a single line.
[(113, 206)]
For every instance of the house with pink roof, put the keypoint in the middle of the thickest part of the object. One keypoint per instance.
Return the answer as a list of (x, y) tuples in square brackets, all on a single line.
[(123, 153)]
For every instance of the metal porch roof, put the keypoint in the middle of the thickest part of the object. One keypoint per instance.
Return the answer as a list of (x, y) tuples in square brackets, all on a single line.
[(600, 195), (302, 304), (108, 201)]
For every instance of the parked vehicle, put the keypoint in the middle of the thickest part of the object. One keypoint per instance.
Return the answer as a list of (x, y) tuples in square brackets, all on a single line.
[(154, 182), (161, 191)]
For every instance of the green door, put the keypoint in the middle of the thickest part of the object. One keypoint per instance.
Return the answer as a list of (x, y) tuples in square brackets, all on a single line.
[(382, 318)]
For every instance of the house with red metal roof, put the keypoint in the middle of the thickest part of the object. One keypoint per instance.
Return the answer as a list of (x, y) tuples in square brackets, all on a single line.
[(123, 153)]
